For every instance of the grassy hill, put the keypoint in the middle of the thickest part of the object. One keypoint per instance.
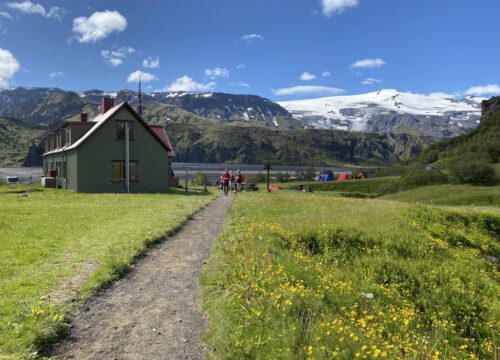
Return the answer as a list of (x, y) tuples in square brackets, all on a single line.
[(16, 138)]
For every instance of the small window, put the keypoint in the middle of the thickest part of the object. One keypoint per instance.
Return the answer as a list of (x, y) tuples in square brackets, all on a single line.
[(120, 130), (118, 171)]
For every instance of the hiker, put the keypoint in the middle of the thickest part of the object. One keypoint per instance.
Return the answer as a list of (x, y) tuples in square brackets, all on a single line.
[(232, 182), (240, 180), (225, 178)]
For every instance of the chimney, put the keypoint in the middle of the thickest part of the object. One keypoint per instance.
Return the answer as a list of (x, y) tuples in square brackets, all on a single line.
[(106, 104), (83, 117)]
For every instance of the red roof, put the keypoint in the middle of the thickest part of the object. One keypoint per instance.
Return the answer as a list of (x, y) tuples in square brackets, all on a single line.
[(162, 134)]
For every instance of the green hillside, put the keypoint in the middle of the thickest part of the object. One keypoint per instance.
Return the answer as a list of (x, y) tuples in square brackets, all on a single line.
[(15, 141)]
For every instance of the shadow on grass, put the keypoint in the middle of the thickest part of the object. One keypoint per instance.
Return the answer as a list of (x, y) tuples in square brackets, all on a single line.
[(191, 192)]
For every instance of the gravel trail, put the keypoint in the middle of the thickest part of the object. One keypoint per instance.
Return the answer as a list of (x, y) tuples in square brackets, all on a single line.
[(154, 312)]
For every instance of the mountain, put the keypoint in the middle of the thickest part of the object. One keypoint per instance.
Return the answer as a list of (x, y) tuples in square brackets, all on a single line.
[(255, 145), (482, 143), (389, 111), (49, 106)]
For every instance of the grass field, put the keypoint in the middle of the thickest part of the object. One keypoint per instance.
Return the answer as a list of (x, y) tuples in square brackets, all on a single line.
[(48, 237), (463, 195), (315, 276)]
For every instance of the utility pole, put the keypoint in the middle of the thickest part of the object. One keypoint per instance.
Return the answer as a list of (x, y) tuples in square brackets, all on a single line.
[(267, 166), (187, 174)]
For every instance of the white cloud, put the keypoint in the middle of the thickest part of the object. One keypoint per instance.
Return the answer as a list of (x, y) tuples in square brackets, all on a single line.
[(8, 66), (186, 83), (307, 77), (241, 84), (332, 7), (98, 26), (56, 13), (117, 56), (489, 89), (441, 95), (151, 62), (252, 37), (56, 74), (326, 74), (371, 81), (307, 89), (217, 72), (5, 15), (240, 66), (27, 7), (140, 75), (368, 63)]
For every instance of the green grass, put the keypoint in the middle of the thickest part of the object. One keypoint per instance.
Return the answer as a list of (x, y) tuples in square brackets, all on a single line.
[(374, 186), (49, 236), (292, 276), (463, 195)]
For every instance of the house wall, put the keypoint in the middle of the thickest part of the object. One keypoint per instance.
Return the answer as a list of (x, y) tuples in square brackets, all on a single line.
[(94, 159), (63, 181)]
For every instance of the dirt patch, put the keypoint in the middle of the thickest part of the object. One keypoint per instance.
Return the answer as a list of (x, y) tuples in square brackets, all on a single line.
[(68, 290), (155, 311)]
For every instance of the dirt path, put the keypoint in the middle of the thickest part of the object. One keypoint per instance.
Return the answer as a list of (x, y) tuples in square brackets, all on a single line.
[(154, 312)]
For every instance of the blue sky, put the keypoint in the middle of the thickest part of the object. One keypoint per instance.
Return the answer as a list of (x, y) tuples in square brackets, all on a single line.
[(279, 49)]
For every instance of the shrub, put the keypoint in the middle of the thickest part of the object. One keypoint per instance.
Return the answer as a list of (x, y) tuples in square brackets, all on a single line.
[(420, 177), (477, 173), (309, 174), (256, 178), (199, 178)]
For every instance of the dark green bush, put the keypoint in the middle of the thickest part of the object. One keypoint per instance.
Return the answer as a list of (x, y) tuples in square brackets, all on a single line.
[(420, 177), (475, 172)]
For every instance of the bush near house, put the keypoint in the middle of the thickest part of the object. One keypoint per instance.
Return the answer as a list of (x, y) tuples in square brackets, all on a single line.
[(46, 237), (313, 276)]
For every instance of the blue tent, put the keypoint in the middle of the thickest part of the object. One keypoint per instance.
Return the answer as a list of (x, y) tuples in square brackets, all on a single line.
[(326, 177)]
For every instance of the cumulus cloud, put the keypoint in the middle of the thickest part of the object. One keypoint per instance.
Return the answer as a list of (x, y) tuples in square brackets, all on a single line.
[(307, 77), (307, 89), (27, 7), (217, 72), (249, 38), (326, 74), (368, 63), (8, 66), (5, 15), (98, 26), (117, 56), (333, 7), (140, 75), (152, 62), (489, 89), (240, 66), (56, 74), (371, 81), (186, 83)]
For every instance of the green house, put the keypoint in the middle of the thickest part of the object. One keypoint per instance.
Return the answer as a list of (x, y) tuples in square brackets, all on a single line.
[(115, 152)]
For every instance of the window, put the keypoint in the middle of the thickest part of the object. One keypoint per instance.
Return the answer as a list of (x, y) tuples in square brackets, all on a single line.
[(118, 170), (120, 130), (68, 136)]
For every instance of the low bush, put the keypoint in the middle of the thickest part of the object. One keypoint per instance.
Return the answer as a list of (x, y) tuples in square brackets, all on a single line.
[(477, 173), (420, 177)]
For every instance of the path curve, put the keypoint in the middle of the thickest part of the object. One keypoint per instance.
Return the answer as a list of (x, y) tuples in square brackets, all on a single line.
[(154, 312)]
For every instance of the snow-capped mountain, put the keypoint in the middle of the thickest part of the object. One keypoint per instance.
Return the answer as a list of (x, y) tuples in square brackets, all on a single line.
[(389, 111)]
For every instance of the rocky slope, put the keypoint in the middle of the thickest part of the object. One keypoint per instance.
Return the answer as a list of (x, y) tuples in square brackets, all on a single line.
[(255, 145)]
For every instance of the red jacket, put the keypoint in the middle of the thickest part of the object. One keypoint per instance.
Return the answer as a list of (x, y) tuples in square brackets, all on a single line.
[(225, 177)]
